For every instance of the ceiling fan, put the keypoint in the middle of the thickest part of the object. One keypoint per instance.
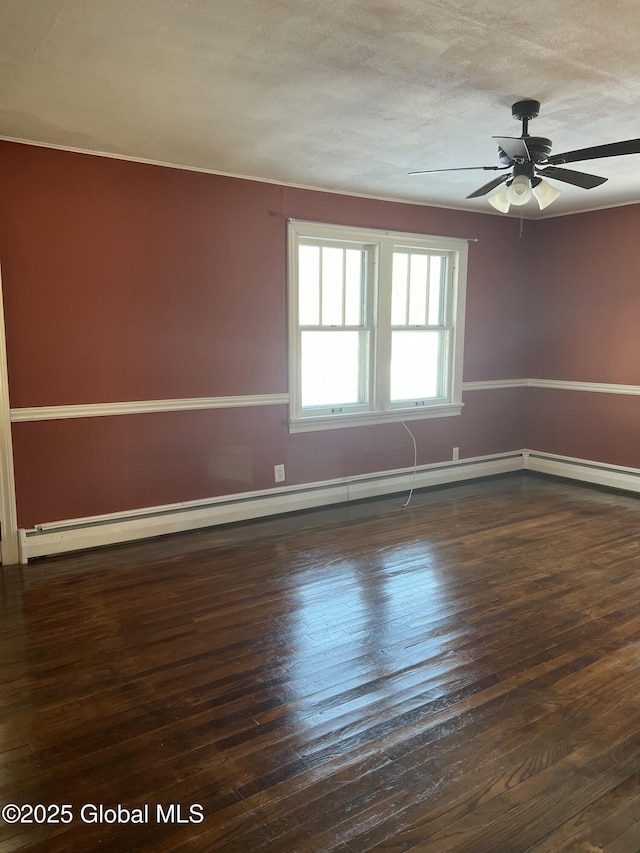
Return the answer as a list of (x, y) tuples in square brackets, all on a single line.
[(527, 161)]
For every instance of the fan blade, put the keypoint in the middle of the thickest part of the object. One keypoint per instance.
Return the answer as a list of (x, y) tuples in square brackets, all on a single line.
[(514, 147), (613, 149), (488, 187), (459, 169), (578, 179)]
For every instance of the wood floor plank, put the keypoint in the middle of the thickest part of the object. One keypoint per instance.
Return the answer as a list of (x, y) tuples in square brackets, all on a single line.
[(599, 825), (460, 675)]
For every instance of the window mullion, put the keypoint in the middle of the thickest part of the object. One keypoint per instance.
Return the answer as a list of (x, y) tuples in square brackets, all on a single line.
[(427, 292), (368, 320), (407, 306), (383, 328), (320, 277), (344, 287)]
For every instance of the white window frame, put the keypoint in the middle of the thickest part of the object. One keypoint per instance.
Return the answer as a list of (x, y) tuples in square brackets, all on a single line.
[(380, 246)]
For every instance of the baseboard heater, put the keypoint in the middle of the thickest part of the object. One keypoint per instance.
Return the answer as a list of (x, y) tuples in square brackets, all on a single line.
[(586, 470), (78, 534)]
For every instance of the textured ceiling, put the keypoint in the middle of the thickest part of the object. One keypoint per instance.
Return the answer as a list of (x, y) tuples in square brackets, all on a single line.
[(346, 95)]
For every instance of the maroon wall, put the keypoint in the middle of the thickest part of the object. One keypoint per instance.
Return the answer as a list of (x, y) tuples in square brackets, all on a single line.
[(132, 282), (585, 308), (125, 281)]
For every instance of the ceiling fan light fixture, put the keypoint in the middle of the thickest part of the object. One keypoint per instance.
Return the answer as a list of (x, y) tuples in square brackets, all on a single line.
[(545, 193), (525, 155), (499, 200), (519, 191)]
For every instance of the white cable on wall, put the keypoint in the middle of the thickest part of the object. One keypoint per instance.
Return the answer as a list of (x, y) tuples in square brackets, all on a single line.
[(415, 457)]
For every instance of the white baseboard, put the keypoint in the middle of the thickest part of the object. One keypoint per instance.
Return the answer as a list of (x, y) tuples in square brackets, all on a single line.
[(81, 533), (588, 471)]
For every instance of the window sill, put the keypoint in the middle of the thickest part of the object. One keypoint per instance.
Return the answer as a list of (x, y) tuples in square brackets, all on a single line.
[(357, 419)]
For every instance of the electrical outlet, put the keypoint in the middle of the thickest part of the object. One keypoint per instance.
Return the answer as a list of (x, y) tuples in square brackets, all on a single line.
[(456, 453), (278, 473)]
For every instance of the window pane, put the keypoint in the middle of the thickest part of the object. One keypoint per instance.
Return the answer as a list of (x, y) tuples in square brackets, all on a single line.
[(436, 290), (399, 289), (309, 278), (331, 368), (354, 282), (415, 364), (418, 290), (332, 274)]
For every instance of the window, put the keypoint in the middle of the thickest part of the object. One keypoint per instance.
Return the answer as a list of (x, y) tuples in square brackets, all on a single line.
[(376, 325)]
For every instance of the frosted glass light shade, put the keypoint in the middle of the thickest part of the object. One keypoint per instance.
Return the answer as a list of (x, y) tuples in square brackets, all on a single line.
[(545, 194), (520, 190), (500, 201)]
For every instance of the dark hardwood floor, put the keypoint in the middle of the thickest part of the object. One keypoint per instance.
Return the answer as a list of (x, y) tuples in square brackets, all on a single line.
[(460, 675)]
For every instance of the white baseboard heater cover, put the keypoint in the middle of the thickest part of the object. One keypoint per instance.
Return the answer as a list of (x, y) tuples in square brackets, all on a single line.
[(77, 534)]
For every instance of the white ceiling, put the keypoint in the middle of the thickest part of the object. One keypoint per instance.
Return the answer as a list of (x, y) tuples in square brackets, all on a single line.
[(345, 95)]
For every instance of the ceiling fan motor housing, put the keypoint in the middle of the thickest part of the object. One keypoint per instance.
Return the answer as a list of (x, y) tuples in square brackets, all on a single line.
[(539, 149)]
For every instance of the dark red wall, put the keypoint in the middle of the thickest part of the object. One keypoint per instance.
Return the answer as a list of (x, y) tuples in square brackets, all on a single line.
[(125, 281), (132, 282), (585, 305), (585, 310)]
